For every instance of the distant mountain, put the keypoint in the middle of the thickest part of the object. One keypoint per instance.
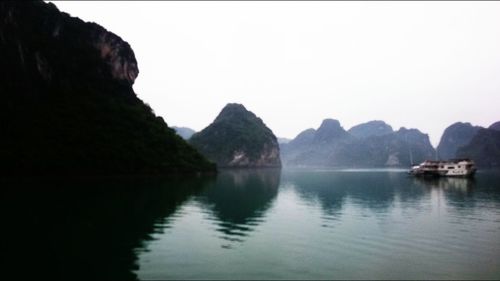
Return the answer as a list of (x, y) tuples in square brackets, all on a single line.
[(495, 126), (484, 148), (304, 138), (332, 146), (454, 137), (238, 138), (319, 147), (372, 128), (184, 132), (68, 106), (283, 140), (329, 131), (405, 147)]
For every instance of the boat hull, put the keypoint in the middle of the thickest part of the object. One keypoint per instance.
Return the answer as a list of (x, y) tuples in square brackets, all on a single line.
[(462, 168)]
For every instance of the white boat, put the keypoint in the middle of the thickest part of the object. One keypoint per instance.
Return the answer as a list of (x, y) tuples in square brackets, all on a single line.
[(448, 168)]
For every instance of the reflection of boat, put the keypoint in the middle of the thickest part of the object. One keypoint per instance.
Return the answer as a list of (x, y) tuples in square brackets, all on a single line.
[(460, 184), (450, 168)]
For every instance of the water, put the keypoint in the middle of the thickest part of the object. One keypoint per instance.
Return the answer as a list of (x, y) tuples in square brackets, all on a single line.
[(258, 224)]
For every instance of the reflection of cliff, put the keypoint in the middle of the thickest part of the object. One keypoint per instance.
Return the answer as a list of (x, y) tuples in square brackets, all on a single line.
[(239, 199), (372, 190), (86, 229)]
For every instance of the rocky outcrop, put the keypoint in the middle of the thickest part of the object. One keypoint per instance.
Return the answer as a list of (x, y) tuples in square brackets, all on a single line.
[(454, 137), (68, 106), (403, 147), (495, 126), (329, 130), (238, 138), (321, 147), (484, 148), (372, 146), (372, 128)]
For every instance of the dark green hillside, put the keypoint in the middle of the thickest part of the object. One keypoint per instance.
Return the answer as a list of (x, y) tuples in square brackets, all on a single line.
[(68, 106), (238, 138)]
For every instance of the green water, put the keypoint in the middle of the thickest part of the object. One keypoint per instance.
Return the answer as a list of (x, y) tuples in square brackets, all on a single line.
[(258, 224)]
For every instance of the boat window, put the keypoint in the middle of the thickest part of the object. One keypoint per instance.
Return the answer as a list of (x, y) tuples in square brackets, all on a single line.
[(441, 167), (451, 167), (459, 166)]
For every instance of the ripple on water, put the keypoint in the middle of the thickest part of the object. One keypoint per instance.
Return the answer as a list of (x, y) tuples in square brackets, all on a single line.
[(327, 226)]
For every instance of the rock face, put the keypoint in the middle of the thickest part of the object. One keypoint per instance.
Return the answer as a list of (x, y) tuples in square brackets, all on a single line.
[(374, 145), (68, 106), (403, 147), (454, 137), (495, 126), (184, 132), (484, 148), (372, 128), (462, 140), (238, 138), (321, 147)]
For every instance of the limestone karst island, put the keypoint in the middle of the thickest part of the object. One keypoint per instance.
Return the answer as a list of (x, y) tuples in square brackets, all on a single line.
[(249, 140)]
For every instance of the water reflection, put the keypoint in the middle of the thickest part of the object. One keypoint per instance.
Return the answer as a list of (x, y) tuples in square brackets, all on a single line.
[(380, 225), (380, 191), (84, 229), (459, 185), (331, 189), (238, 200)]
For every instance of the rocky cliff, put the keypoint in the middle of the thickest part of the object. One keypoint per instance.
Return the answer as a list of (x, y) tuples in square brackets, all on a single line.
[(373, 144), (68, 106), (372, 128), (495, 126), (454, 137), (483, 148), (238, 138)]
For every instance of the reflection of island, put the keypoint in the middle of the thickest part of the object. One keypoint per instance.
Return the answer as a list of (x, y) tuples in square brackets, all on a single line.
[(366, 189), (239, 199), (84, 229)]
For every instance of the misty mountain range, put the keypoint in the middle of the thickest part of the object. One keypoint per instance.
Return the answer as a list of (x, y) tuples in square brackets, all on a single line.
[(376, 144), (70, 108), (371, 144)]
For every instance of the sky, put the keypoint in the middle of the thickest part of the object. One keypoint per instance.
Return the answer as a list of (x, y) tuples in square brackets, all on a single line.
[(412, 64)]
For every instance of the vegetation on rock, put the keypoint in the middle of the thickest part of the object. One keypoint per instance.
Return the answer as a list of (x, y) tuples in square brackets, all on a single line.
[(68, 103), (238, 138)]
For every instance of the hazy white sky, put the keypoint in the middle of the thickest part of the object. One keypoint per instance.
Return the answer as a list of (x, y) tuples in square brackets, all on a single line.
[(420, 65)]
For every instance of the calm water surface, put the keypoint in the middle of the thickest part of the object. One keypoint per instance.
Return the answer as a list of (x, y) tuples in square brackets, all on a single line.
[(258, 224)]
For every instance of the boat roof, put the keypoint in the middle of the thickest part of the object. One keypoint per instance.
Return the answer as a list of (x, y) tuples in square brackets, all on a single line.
[(456, 160)]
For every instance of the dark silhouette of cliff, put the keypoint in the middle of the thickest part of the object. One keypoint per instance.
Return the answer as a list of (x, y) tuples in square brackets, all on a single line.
[(85, 228), (68, 105)]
